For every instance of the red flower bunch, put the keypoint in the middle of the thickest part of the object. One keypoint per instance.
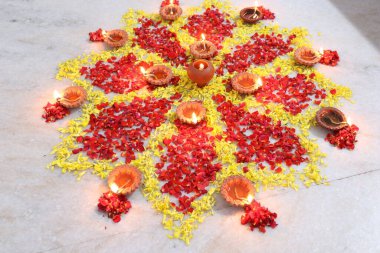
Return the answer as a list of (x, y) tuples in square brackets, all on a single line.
[(214, 24), (96, 36), (167, 2), (295, 93), (117, 75), (114, 205), (260, 50), (259, 138), (156, 38), (123, 128), (187, 168), (267, 14), (54, 112), (258, 216), (329, 57), (344, 138)]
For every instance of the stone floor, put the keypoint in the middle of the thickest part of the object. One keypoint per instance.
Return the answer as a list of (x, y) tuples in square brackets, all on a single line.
[(44, 211)]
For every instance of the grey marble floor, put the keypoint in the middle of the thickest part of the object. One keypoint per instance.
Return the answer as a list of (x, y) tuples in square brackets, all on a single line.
[(43, 211)]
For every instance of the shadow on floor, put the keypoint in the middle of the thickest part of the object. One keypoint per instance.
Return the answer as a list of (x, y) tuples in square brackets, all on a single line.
[(364, 15)]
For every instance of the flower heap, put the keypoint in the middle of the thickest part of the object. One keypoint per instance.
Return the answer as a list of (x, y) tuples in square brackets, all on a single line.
[(183, 166), (114, 205)]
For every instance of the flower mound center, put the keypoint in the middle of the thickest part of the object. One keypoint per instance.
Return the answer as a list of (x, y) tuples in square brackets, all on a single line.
[(188, 166), (260, 50), (156, 38), (122, 128), (215, 25), (295, 94), (259, 139), (117, 75)]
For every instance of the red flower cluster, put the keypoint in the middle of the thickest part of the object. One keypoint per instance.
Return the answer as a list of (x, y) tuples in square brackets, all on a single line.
[(258, 138), (117, 75), (96, 36), (157, 38), (123, 128), (54, 112), (258, 217), (187, 168), (330, 57), (267, 14), (260, 50), (114, 205), (214, 24), (295, 93), (167, 2), (344, 138)]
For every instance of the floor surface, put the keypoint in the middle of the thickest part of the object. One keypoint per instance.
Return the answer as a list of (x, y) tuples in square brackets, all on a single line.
[(44, 211)]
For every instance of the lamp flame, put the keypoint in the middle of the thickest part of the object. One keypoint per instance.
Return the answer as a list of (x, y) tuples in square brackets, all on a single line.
[(249, 198), (321, 51), (56, 95), (259, 82), (104, 33), (201, 66), (203, 37), (194, 118), (349, 121), (256, 4), (143, 71), (114, 188), (171, 2)]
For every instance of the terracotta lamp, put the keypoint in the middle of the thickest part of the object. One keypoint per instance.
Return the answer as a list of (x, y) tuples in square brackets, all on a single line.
[(73, 97), (158, 75), (246, 83), (115, 38), (124, 179), (331, 118), (201, 72), (203, 49), (170, 12), (306, 56), (238, 190), (251, 15), (191, 112)]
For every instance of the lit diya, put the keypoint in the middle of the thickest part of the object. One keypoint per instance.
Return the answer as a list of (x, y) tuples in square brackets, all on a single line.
[(124, 179), (203, 49), (306, 56), (251, 14), (246, 83), (201, 72), (115, 38), (73, 97), (157, 75), (191, 112), (331, 118), (170, 12), (238, 190)]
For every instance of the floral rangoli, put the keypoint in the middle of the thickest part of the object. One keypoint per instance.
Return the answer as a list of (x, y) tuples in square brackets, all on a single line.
[(263, 136)]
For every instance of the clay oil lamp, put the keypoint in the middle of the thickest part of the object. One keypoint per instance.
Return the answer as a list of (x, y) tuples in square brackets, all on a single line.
[(157, 75), (201, 72), (246, 83), (73, 97), (170, 12), (191, 112), (115, 38), (306, 56), (203, 49), (251, 14), (238, 190), (124, 179), (331, 118)]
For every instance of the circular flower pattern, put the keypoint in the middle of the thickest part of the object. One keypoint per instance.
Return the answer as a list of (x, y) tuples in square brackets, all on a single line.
[(263, 136)]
